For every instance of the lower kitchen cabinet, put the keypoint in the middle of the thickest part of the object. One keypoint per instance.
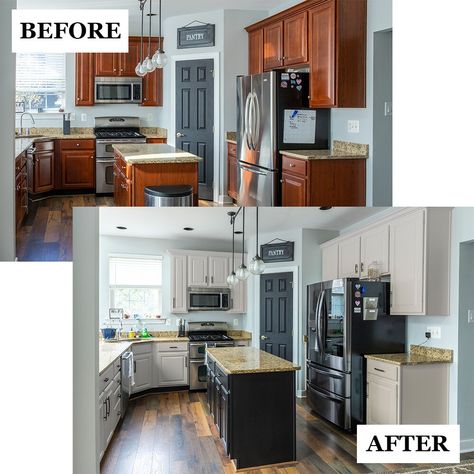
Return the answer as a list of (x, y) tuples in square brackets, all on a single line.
[(171, 364), (77, 164), (41, 167), (241, 343), (21, 189), (155, 141), (143, 366), (232, 171), (407, 394)]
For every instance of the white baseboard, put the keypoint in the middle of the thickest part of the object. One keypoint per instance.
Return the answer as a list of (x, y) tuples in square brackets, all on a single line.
[(467, 445), (301, 394)]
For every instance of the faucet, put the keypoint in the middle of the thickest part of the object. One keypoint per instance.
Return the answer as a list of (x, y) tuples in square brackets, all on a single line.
[(21, 123)]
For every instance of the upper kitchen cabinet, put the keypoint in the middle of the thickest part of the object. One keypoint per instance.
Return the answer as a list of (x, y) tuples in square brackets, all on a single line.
[(119, 64), (128, 61), (178, 284), (197, 270), (419, 262), (330, 259), (256, 52), (295, 43), (349, 258), (153, 84), (107, 64), (374, 250), (218, 271), (85, 73), (337, 53), (273, 46)]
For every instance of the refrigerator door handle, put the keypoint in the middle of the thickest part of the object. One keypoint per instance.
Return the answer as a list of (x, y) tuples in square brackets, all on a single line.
[(246, 120), (252, 170), (316, 330), (252, 121), (320, 321), (256, 133)]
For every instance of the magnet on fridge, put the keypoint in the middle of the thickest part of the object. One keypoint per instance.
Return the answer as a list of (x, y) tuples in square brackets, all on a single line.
[(293, 75), (284, 85)]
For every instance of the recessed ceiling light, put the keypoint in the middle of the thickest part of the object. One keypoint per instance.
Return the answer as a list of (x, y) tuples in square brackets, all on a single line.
[(121, 227), (325, 208), (188, 229)]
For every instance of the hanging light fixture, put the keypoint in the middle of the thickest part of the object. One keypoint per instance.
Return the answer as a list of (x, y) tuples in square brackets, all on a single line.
[(257, 265), (160, 60), (242, 272), (140, 69), (148, 64), (232, 279)]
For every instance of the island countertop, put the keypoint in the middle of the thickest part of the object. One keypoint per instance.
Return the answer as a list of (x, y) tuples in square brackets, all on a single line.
[(249, 360), (143, 153)]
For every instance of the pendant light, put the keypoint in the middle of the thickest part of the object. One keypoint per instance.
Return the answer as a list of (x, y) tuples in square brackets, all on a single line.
[(232, 279), (257, 265), (140, 69), (160, 60), (242, 272), (148, 64)]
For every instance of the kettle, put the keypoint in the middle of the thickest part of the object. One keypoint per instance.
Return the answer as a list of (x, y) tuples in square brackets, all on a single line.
[(181, 328)]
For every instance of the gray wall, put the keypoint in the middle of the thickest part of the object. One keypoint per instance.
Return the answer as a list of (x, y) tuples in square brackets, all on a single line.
[(7, 126), (466, 346)]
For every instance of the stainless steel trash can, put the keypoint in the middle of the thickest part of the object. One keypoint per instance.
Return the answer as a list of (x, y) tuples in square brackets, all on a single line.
[(169, 196)]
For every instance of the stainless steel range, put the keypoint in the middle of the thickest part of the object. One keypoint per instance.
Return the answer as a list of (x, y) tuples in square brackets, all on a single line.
[(110, 131), (202, 335)]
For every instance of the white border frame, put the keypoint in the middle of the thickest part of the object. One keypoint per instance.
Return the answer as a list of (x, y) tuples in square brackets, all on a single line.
[(217, 116), (297, 337)]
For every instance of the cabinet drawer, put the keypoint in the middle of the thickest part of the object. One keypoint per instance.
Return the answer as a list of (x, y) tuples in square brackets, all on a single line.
[(77, 144), (20, 162), (382, 369), (294, 166), (117, 366), (232, 149), (44, 146), (142, 348), (106, 378), (172, 346)]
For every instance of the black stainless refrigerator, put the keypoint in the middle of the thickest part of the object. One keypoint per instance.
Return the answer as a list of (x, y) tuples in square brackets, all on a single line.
[(347, 318), (272, 115)]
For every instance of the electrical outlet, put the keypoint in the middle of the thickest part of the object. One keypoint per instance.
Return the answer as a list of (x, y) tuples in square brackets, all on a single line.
[(435, 332), (73, 116), (236, 322), (470, 316), (83, 117), (353, 126)]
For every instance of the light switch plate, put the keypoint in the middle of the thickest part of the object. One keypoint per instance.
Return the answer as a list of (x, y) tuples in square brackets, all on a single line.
[(168, 322), (470, 316), (353, 126), (435, 332), (236, 322), (83, 117)]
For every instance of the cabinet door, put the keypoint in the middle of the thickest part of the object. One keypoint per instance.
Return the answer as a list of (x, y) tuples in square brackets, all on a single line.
[(293, 191), (85, 74), (232, 177), (296, 39), (107, 64), (143, 372), (172, 369), (178, 284), (273, 46), (407, 249), (197, 270), (102, 417), (210, 390), (374, 248), (256, 52), (382, 401), (43, 174), (152, 94), (109, 423), (349, 258), (238, 293), (218, 271), (224, 418), (128, 61), (330, 262), (322, 54), (78, 169)]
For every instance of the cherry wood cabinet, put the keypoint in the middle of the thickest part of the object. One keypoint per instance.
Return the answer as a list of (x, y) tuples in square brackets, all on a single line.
[(232, 171), (85, 72), (21, 189), (256, 52), (156, 140), (119, 64), (153, 84), (295, 39), (122, 189), (41, 168), (326, 182), (77, 164), (273, 46)]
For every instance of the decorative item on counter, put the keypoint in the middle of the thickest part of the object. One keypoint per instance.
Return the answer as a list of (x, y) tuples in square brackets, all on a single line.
[(132, 334), (108, 333), (181, 327), (136, 316), (126, 316), (144, 334), (373, 271), (67, 124), (115, 313)]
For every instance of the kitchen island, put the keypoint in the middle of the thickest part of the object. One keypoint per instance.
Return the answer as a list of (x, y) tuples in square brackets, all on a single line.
[(251, 395), (140, 165)]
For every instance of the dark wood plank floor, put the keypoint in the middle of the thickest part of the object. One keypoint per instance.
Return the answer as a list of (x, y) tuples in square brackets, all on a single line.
[(173, 433)]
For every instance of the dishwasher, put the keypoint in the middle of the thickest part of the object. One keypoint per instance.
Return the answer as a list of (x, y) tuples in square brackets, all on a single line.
[(127, 379)]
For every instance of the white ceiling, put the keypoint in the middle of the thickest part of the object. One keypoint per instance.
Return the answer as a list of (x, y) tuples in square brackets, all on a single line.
[(214, 224), (170, 7)]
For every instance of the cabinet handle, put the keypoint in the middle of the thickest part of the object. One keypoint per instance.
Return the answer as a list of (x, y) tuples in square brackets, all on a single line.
[(78, 144), (292, 165), (134, 366), (186, 361), (391, 299), (105, 403), (92, 157), (174, 302), (379, 370), (205, 279), (212, 279), (173, 347), (78, 98), (356, 268), (107, 407), (362, 267), (106, 380)]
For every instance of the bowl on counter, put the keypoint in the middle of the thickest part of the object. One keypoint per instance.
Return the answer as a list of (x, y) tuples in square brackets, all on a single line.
[(108, 333)]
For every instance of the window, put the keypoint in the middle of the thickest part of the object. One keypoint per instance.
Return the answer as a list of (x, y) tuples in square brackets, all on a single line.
[(41, 81), (135, 285)]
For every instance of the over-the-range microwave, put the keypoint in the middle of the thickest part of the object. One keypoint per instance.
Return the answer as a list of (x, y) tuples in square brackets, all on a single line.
[(118, 90), (209, 299)]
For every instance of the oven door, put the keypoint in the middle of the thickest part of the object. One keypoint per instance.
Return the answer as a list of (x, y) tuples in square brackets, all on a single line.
[(104, 175), (197, 374)]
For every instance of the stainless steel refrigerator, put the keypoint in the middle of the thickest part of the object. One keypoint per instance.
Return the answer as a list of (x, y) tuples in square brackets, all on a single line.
[(347, 319), (264, 102)]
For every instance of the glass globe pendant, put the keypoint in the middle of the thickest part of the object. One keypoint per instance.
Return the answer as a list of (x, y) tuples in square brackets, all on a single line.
[(257, 265), (140, 70), (232, 279)]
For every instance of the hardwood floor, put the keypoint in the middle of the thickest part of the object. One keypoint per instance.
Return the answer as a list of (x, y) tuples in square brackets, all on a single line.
[(173, 432)]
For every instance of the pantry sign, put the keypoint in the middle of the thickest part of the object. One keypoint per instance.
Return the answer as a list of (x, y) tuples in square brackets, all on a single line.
[(198, 36)]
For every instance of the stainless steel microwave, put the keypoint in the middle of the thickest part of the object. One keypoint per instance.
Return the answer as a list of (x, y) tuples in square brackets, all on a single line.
[(118, 90), (209, 299)]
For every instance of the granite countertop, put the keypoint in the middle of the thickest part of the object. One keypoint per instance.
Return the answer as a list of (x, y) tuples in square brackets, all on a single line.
[(249, 360), (417, 355), (154, 154), (340, 151), (240, 335)]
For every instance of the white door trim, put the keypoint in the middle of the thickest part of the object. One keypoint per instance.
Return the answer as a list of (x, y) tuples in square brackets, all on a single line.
[(296, 321), (217, 130)]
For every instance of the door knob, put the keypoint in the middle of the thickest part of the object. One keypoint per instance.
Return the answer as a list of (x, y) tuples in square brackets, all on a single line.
[(180, 135), (263, 338)]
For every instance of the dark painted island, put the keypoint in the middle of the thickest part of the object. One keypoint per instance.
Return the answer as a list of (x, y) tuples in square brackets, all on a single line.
[(251, 396)]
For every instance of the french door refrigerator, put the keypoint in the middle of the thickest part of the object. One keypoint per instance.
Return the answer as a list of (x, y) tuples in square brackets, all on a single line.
[(347, 318), (263, 102)]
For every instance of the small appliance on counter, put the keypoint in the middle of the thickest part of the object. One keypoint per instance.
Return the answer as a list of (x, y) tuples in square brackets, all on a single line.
[(181, 327), (67, 124), (209, 299)]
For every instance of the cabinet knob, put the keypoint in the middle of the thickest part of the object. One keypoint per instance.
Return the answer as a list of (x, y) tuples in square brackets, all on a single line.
[(78, 144), (78, 98), (92, 157), (292, 165)]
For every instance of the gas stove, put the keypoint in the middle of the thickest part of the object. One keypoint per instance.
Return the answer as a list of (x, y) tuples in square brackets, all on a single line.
[(205, 331), (122, 134), (209, 337)]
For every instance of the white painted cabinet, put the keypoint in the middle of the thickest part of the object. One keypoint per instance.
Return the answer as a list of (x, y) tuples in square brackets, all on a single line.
[(374, 248), (198, 270), (330, 262), (382, 401), (171, 364), (349, 257), (218, 271), (241, 343), (143, 365), (179, 284), (238, 293)]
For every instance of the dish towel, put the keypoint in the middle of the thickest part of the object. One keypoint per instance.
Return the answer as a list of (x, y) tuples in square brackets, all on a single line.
[(131, 370)]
